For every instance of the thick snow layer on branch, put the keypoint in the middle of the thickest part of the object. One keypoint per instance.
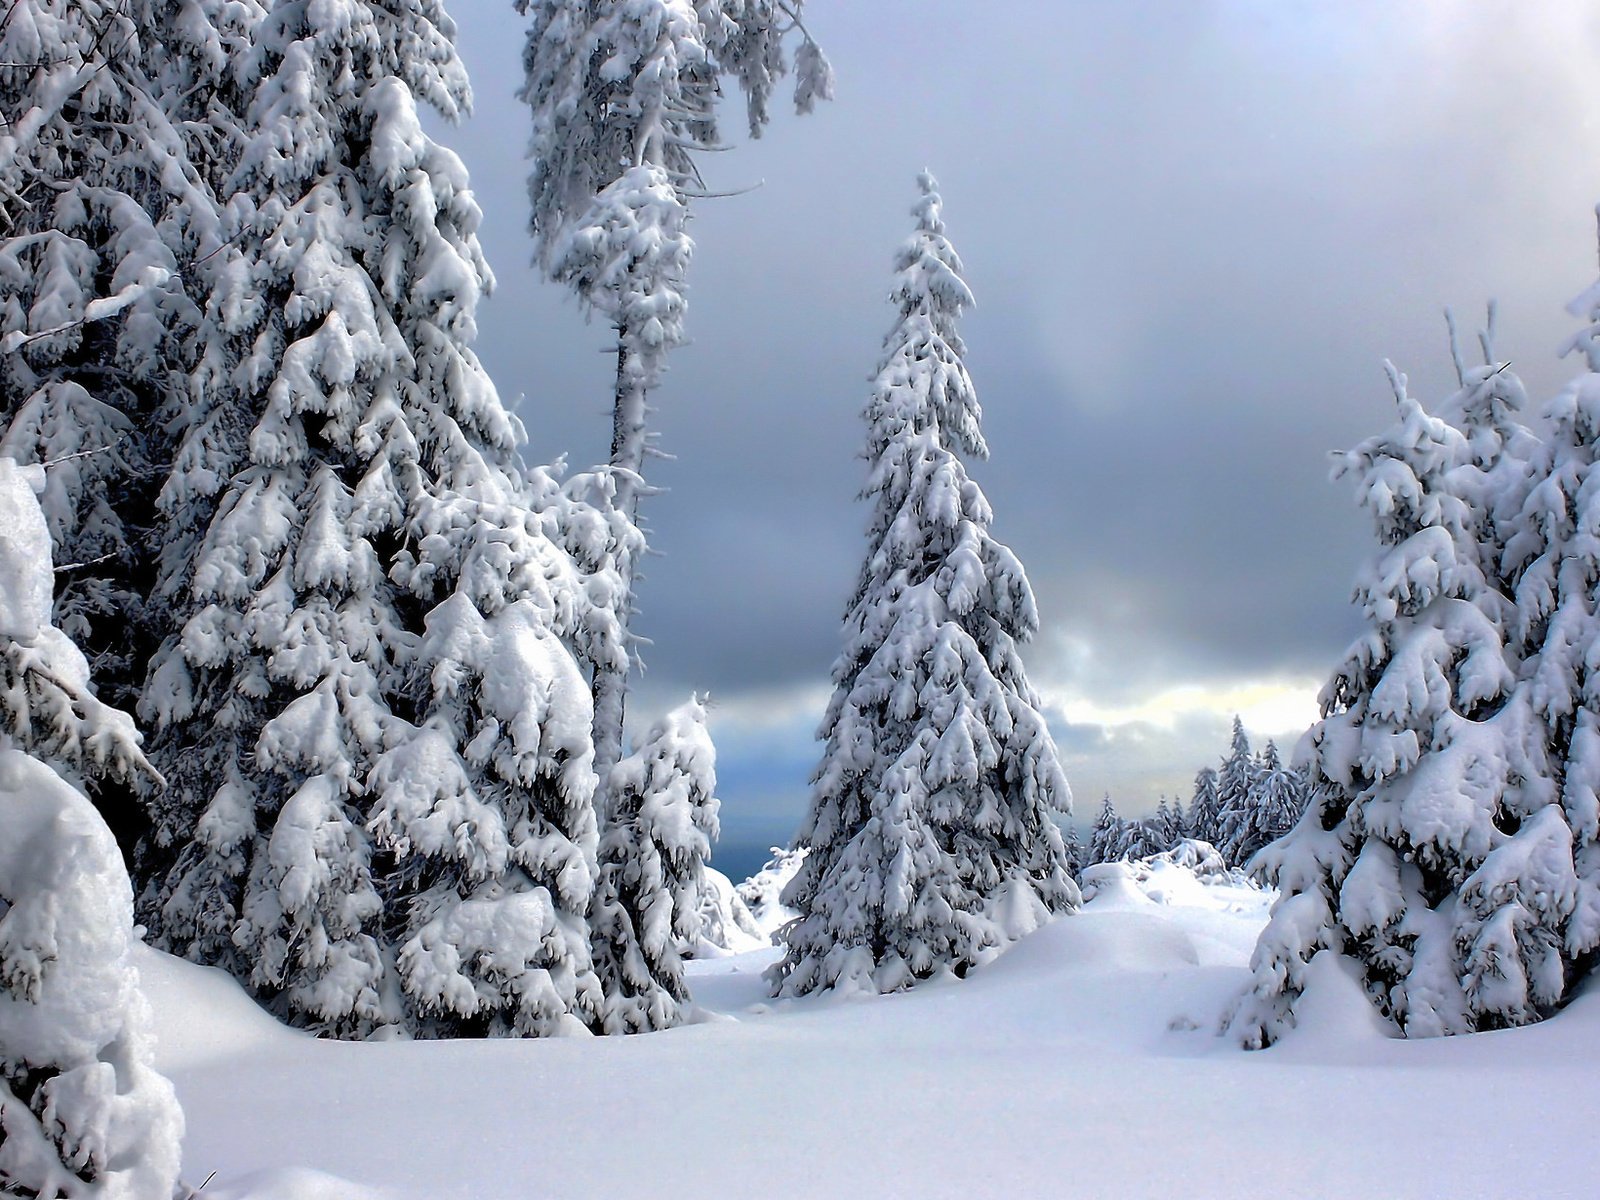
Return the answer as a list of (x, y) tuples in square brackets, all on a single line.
[(26, 582)]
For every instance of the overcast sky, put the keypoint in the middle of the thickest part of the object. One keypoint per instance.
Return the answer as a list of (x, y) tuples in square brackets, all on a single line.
[(1195, 229)]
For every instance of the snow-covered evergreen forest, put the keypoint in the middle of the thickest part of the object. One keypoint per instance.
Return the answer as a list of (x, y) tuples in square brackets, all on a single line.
[(418, 553)]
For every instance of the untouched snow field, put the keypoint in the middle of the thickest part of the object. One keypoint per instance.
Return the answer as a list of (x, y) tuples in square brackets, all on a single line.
[(1080, 1064)]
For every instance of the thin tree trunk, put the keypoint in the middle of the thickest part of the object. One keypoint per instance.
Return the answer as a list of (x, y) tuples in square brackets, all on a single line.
[(628, 441)]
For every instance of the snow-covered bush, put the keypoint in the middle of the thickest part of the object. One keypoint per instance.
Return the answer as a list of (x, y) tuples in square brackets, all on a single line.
[(82, 1111), (932, 843), (727, 926), (1193, 860), (1200, 857), (763, 891)]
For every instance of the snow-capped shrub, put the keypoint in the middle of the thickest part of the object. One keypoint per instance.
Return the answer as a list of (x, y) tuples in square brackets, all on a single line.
[(1198, 861), (727, 925), (763, 891), (83, 1114)]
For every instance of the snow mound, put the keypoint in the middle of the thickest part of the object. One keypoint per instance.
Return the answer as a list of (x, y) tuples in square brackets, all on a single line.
[(1334, 1009), (763, 891), (1191, 873), (233, 1023)]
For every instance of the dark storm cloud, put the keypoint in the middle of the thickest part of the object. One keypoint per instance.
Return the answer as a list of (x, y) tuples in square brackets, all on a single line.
[(1195, 230)]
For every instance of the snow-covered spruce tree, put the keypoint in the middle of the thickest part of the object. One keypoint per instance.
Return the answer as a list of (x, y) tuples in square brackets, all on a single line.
[(110, 238), (82, 1111), (1235, 791), (1281, 799), (1168, 822), (1106, 835), (380, 809), (1530, 928), (1431, 853), (622, 95), (1074, 850), (1278, 799), (930, 831), (656, 839), (1204, 815), (1138, 838)]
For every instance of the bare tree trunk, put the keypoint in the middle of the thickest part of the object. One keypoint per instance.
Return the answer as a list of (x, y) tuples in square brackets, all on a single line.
[(629, 438)]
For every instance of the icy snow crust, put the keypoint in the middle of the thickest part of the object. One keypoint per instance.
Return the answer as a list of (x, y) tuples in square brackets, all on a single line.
[(1080, 1063)]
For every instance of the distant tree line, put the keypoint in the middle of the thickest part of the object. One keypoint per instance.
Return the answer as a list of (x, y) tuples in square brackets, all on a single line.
[(1250, 802)]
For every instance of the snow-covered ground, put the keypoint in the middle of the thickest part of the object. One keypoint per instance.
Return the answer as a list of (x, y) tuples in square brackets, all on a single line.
[(1081, 1063)]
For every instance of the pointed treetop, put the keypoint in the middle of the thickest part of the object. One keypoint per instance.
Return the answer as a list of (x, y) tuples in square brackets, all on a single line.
[(928, 269), (929, 210)]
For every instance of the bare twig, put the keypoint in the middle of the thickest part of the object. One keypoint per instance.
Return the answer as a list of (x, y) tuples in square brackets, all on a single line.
[(88, 562), (56, 462)]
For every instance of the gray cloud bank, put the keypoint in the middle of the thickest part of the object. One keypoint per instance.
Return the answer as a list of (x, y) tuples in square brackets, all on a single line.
[(1195, 230)]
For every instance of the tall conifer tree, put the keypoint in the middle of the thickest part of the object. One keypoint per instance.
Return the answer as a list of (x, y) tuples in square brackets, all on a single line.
[(930, 835), (622, 95), (379, 809), (111, 239)]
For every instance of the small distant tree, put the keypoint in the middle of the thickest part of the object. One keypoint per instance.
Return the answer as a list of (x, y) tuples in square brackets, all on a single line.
[(1168, 823), (1075, 851), (1276, 804), (1106, 835), (1247, 826), (657, 840), (930, 832), (1236, 784), (1204, 817)]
